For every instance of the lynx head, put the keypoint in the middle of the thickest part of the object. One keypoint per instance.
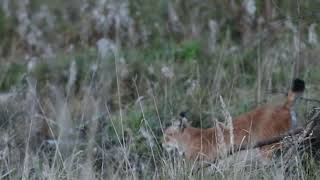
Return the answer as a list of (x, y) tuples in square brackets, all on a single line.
[(173, 133)]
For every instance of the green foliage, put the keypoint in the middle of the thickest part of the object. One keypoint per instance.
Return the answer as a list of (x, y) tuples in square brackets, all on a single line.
[(310, 167), (248, 64), (2, 24), (134, 120), (12, 76), (188, 50), (314, 73), (42, 72)]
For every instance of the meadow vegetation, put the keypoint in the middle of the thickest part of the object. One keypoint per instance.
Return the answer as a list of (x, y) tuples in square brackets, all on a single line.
[(87, 87)]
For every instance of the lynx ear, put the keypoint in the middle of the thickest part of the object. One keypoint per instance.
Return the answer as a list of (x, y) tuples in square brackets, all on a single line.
[(183, 121)]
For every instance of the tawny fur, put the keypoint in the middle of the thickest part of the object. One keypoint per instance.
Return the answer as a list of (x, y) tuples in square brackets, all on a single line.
[(208, 144)]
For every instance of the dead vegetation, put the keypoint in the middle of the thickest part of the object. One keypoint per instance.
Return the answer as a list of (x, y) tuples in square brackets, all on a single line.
[(86, 87)]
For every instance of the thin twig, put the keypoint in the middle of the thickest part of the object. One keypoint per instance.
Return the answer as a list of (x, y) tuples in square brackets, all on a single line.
[(311, 100), (314, 120), (7, 173), (265, 142)]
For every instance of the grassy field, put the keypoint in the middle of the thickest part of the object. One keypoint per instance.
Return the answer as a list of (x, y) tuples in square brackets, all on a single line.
[(87, 87)]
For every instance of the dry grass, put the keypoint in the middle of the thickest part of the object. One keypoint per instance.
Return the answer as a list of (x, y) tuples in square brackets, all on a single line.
[(98, 136), (86, 89)]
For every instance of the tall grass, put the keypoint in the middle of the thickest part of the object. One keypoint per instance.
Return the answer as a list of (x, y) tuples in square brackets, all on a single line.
[(87, 88), (94, 135)]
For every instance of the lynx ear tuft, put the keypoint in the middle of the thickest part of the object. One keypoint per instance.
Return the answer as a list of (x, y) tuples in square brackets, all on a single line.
[(183, 121)]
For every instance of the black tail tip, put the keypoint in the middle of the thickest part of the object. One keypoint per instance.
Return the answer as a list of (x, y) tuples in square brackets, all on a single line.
[(183, 114), (298, 85)]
